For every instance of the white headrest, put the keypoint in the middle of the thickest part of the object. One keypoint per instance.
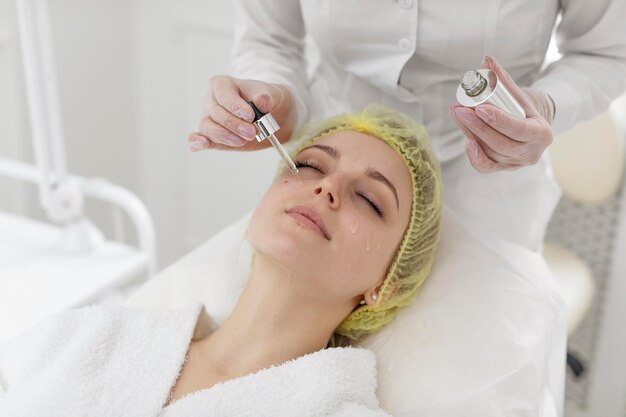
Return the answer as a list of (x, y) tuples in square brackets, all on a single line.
[(482, 333), (588, 160)]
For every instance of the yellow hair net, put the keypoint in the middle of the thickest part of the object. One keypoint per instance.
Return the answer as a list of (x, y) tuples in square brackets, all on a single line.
[(416, 252)]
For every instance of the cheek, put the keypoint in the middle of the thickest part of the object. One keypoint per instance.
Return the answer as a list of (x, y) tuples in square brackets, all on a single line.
[(260, 222), (363, 252), (257, 224), (364, 237), (290, 181), (267, 215)]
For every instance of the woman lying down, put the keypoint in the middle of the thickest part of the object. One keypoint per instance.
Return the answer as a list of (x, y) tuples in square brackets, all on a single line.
[(338, 249)]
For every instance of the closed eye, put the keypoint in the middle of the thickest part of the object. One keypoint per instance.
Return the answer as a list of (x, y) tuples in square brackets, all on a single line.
[(308, 164), (376, 208)]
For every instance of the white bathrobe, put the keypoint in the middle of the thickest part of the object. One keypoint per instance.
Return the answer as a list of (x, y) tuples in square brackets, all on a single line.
[(113, 361)]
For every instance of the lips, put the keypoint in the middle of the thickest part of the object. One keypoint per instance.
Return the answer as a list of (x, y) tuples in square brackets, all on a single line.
[(311, 216)]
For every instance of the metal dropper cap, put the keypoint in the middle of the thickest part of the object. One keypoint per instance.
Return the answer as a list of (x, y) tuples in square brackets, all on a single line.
[(473, 83), (267, 126), (483, 86)]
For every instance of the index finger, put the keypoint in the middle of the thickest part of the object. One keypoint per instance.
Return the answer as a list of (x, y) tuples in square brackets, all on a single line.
[(226, 94), (490, 63), (520, 130)]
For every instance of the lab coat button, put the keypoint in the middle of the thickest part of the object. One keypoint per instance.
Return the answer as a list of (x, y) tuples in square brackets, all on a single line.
[(406, 4), (404, 44)]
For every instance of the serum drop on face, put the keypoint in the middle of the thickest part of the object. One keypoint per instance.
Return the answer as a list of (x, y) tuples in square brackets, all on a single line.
[(483, 86), (354, 227)]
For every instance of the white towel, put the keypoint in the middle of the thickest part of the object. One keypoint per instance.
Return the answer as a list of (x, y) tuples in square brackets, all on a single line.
[(118, 361), (337, 382)]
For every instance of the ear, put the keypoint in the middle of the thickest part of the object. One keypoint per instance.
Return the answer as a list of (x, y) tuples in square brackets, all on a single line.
[(371, 296)]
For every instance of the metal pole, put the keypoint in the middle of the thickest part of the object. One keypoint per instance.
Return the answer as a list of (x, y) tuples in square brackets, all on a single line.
[(43, 104)]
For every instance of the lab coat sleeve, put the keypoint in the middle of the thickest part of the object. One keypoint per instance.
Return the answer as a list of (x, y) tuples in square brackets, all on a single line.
[(592, 71), (269, 46)]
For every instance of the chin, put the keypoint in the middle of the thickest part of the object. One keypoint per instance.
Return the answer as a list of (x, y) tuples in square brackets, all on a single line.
[(286, 243)]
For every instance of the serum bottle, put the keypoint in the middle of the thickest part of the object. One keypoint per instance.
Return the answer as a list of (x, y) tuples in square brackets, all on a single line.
[(483, 86)]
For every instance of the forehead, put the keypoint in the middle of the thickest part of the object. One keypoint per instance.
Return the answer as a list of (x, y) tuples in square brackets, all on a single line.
[(362, 148)]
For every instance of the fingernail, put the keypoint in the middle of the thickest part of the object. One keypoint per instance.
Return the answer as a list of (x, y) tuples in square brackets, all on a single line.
[(246, 115), (488, 61), (464, 114), (198, 144), (234, 140), (247, 132), (484, 114)]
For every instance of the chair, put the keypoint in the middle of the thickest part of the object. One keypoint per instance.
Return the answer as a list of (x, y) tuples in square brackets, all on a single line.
[(588, 164)]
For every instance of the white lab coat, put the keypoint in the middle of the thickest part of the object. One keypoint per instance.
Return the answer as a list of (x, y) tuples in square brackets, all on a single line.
[(410, 54)]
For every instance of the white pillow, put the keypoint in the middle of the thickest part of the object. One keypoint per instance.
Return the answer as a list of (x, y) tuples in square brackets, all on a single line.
[(485, 337)]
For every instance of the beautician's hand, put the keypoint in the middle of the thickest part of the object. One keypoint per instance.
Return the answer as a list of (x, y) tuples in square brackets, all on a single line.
[(227, 121), (498, 141)]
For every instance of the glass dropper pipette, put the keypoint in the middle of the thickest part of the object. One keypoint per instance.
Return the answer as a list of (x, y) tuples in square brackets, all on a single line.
[(267, 126)]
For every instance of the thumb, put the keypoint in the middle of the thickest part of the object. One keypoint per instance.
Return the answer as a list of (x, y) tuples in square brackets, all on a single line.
[(264, 102), (262, 94)]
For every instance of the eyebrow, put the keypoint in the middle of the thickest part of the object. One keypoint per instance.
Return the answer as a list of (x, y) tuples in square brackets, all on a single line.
[(372, 173)]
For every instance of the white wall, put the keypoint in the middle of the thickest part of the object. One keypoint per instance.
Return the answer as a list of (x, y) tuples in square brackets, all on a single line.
[(132, 76), (93, 52), (191, 195)]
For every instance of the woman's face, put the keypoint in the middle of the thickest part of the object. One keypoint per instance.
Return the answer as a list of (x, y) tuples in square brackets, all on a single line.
[(337, 225)]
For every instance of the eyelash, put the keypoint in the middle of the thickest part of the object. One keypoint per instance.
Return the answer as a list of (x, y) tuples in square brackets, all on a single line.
[(309, 164)]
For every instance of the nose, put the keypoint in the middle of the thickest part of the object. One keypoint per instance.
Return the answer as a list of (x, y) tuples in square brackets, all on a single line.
[(328, 189)]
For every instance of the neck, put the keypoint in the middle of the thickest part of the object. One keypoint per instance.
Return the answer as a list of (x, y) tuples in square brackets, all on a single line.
[(278, 317)]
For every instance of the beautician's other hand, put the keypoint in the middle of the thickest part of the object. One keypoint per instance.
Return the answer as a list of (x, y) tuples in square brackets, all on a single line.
[(498, 141), (227, 121)]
